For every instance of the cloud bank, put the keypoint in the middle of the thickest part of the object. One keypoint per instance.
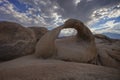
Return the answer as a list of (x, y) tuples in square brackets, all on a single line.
[(99, 15)]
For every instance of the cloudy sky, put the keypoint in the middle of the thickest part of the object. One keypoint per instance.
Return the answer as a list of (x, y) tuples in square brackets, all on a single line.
[(100, 16)]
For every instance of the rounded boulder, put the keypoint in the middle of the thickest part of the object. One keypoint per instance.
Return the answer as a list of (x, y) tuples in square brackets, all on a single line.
[(15, 40)]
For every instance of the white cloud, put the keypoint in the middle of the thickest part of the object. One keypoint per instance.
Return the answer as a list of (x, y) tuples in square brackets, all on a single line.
[(57, 19), (49, 11), (68, 32), (114, 14), (55, 7), (108, 15), (52, 13), (23, 18), (109, 26), (42, 2), (76, 2), (104, 13)]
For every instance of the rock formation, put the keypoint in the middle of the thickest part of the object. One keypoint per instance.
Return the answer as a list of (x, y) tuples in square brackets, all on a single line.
[(39, 31), (46, 48), (84, 47), (76, 51), (80, 48), (31, 68), (15, 40), (108, 51)]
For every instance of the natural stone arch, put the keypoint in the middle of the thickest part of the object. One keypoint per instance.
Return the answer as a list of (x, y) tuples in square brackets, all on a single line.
[(85, 49), (82, 30)]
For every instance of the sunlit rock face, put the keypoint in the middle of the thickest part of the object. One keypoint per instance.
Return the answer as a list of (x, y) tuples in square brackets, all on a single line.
[(79, 48), (38, 31), (15, 40)]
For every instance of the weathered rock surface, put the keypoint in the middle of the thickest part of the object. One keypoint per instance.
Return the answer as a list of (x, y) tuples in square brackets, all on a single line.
[(15, 40), (84, 47), (80, 48), (46, 48), (31, 68), (108, 51), (39, 31)]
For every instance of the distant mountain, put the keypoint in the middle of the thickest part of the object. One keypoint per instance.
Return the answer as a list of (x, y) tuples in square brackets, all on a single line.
[(112, 35)]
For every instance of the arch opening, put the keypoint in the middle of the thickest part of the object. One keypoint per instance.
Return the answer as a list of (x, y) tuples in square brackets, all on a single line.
[(67, 32)]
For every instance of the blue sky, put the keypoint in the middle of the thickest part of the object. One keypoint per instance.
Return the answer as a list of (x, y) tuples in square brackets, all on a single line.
[(101, 16), (21, 7)]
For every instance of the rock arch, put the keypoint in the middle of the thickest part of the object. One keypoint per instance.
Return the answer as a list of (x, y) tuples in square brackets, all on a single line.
[(80, 48)]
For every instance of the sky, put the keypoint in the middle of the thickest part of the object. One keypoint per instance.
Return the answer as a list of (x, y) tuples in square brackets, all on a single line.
[(101, 16)]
